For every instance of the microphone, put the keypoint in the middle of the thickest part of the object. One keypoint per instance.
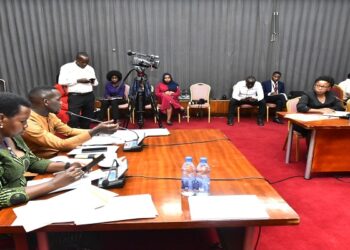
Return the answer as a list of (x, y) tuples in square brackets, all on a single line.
[(81, 116), (133, 145), (112, 180)]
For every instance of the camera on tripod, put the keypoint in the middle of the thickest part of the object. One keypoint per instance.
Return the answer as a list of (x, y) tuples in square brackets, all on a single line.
[(141, 91), (144, 60)]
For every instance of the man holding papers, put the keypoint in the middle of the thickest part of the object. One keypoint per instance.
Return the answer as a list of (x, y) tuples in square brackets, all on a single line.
[(43, 125)]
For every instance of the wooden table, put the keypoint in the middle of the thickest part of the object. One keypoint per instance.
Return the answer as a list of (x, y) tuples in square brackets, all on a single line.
[(153, 171), (328, 148)]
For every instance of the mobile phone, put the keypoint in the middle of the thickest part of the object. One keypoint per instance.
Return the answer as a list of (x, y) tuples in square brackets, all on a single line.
[(96, 149), (94, 162)]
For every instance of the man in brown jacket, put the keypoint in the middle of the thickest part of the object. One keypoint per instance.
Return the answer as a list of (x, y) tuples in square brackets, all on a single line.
[(44, 125)]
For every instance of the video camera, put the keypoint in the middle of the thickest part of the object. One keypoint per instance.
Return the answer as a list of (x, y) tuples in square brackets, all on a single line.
[(144, 60)]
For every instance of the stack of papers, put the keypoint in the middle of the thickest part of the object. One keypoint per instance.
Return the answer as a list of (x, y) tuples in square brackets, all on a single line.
[(84, 206), (121, 136), (307, 117)]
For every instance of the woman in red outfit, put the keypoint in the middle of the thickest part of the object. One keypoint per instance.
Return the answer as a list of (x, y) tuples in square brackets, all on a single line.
[(167, 93)]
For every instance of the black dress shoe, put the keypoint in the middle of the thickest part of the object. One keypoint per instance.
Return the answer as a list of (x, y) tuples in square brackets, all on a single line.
[(260, 122), (230, 122), (277, 120)]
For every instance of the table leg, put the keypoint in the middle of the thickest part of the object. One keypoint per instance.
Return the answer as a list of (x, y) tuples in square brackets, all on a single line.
[(43, 242), (21, 242), (289, 143), (249, 239), (310, 154)]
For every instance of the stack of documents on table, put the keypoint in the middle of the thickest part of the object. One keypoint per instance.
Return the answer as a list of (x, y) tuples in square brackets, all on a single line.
[(84, 206), (338, 114), (121, 136), (307, 117), (227, 207)]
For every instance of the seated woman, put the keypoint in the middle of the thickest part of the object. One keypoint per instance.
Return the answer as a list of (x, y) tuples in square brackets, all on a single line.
[(320, 100), (114, 95), (167, 93), (16, 158)]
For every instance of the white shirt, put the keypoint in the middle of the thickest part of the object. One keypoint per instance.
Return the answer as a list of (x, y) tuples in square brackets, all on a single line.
[(71, 72), (240, 91), (345, 86)]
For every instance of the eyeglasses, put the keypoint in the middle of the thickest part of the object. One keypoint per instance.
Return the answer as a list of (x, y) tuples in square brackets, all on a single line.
[(322, 86)]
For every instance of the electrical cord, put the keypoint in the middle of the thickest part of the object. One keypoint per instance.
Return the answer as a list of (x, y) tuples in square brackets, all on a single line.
[(338, 178), (185, 143), (290, 177), (257, 239)]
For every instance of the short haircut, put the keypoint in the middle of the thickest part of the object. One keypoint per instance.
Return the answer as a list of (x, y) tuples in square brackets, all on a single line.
[(114, 73), (11, 103), (328, 79), (250, 79), (277, 72), (39, 92), (81, 53)]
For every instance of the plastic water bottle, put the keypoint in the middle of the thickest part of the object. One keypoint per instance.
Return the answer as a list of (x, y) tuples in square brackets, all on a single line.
[(188, 177), (202, 183)]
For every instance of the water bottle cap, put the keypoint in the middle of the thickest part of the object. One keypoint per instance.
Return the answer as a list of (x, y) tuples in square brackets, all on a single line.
[(203, 159), (188, 158)]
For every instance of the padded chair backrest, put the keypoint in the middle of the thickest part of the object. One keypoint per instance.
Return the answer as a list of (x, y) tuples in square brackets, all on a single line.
[(127, 90), (338, 92), (292, 105), (200, 91), (2, 85)]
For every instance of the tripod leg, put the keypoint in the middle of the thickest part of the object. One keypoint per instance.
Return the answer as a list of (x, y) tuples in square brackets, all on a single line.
[(155, 111)]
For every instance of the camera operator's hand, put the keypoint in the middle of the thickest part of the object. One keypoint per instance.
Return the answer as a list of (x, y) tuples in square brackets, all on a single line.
[(107, 127), (84, 80)]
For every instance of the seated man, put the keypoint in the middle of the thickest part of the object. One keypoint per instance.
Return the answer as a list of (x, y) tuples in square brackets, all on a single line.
[(345, 86), (43, 124), (248, 91), (274, 93)]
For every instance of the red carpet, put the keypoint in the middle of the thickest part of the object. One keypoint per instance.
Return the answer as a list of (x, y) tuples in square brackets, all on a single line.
[(321, 202)]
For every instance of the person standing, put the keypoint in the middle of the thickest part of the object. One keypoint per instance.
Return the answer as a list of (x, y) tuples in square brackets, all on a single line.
[(248, 91), (80, 79), (274, 92)]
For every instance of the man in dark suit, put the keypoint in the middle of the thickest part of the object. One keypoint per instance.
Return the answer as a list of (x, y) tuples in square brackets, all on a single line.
[(274, 92)]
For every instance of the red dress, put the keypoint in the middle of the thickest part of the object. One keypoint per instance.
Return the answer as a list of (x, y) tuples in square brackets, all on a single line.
[(166, 101)]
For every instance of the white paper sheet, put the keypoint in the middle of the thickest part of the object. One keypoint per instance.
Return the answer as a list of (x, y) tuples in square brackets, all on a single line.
[(62, 208), (111, 150), (224, 207), (120, 208), (307, 117)]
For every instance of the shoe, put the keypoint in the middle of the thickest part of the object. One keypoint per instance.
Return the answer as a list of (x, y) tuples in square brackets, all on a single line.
[(277, 120), (230, 121), (260, 122), (169, 123)]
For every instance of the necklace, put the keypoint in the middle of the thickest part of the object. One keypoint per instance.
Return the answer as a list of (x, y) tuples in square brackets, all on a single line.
[(9, 148)]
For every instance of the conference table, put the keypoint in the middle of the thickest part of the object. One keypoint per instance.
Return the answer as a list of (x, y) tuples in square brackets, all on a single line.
[(157, 171), (327, 149)]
